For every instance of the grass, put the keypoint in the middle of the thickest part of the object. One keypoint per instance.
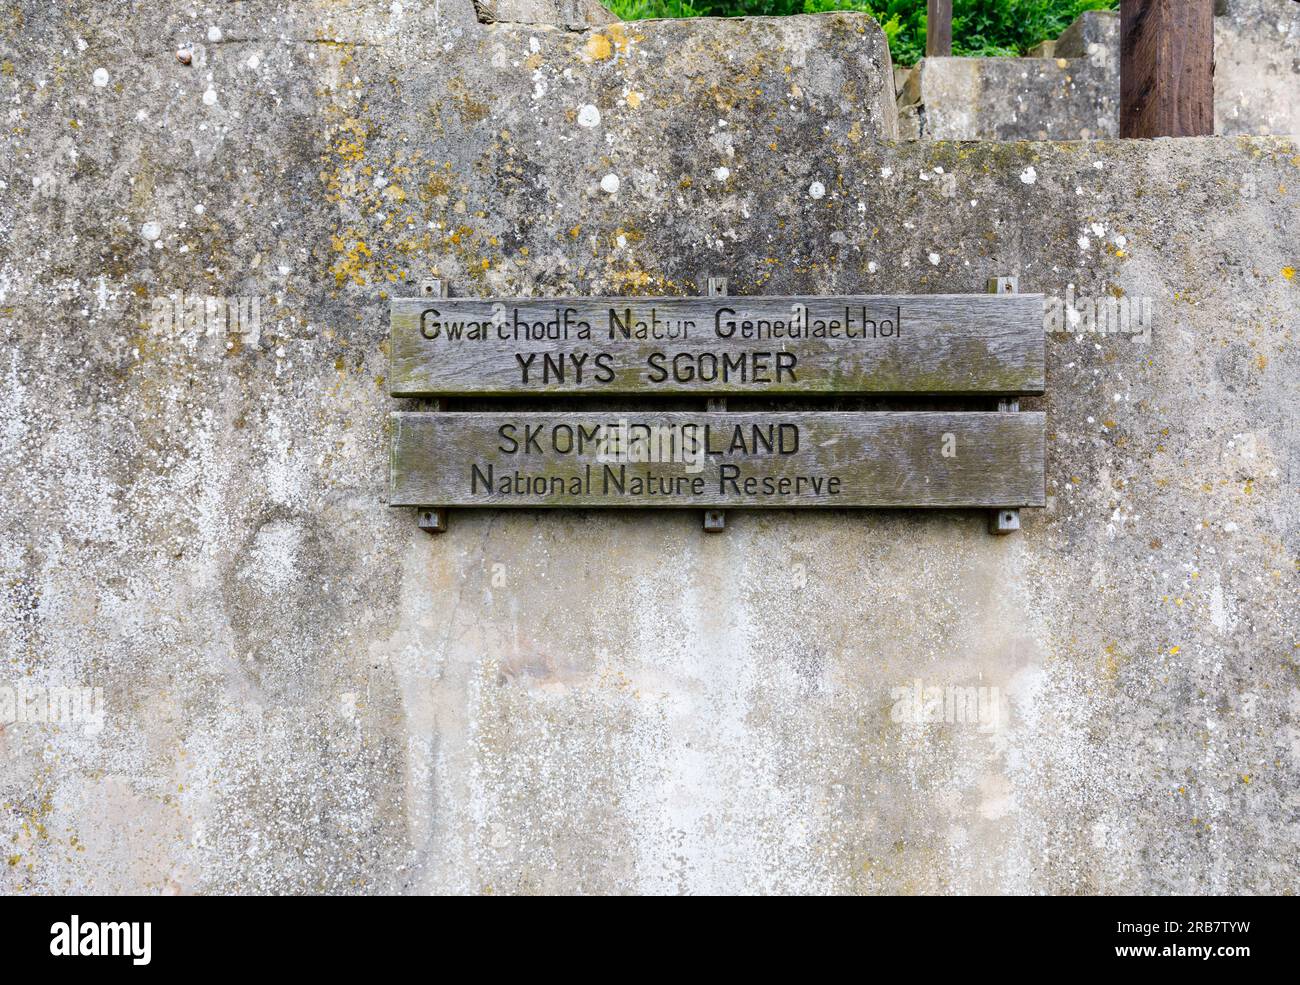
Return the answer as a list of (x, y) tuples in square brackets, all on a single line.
[(979, 27)]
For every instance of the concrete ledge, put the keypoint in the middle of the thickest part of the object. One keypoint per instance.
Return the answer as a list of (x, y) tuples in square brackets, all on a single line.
[(1009, 99)]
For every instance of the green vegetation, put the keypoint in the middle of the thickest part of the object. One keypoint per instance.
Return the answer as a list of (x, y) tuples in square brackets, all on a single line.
[(979, 27)]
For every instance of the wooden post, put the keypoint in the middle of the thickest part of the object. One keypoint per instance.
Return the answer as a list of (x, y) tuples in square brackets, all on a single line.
[(1166, 68), (938, 29), (433, 518), (716, 520), (1005, 521)]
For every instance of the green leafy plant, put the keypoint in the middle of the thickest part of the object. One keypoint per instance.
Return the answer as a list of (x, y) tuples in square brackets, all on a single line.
[(640, 10), (979, 27)]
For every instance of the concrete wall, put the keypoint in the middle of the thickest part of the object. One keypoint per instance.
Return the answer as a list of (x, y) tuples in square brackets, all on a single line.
[(303, 692), (1009, 99), (1257, 67)]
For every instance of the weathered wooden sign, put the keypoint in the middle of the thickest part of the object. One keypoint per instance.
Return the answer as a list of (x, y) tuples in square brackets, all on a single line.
[(940, 343), (934, 344), (677, 459)]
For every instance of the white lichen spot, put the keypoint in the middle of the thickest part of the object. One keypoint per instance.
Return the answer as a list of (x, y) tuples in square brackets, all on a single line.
[(1029, 175), (100, 78), (816, 189), (1218, 607), (934, 259), (722, 174), (253, 62), (872, 267), (214, 34), (1084, 242), (609, 184), (886, 172), (151, 230), (588, 116), (210, 97)]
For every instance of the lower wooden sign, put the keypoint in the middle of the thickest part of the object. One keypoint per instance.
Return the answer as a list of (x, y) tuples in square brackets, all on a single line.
[(718, 459)]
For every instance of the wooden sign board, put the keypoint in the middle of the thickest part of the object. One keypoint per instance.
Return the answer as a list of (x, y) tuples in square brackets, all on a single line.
[(710, 459), (938, 343)]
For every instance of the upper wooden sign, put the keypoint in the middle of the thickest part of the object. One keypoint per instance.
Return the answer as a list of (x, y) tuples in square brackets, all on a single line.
[(930, 343)]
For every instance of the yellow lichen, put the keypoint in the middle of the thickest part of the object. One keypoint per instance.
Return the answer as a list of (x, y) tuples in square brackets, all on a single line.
[(597, 48), (354, 263)]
